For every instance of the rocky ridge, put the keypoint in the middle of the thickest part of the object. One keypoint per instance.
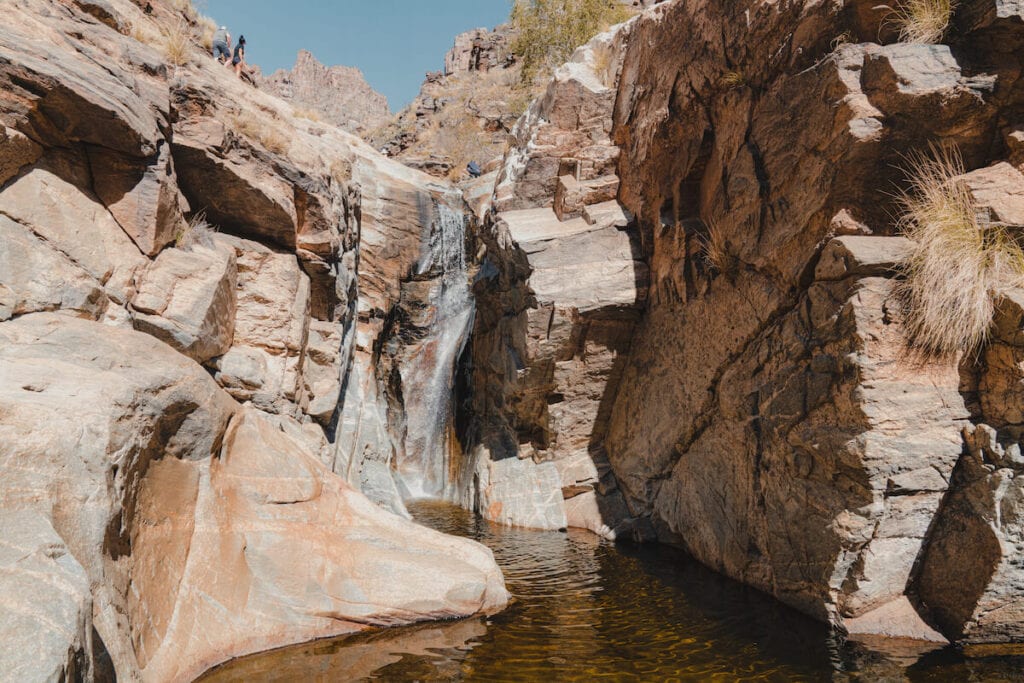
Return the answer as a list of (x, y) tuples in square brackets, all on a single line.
[(758, 406), (339, 95), (177, 400)]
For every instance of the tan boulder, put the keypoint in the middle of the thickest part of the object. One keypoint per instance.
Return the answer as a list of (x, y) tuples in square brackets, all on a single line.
[(77, 226), (16, 152), (35, 277), (189, 559), (142, 196), (271, 327), (187, 298)]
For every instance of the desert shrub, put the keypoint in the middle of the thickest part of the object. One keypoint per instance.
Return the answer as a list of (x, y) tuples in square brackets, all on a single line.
[(923, 21), (549, 30), (960, 262), (177, 42), (195, 232)]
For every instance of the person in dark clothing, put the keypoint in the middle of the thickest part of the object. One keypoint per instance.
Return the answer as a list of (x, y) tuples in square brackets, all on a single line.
[(238, 59), (473, 169)]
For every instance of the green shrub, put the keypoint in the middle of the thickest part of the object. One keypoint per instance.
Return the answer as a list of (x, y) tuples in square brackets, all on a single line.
[(549, 30)]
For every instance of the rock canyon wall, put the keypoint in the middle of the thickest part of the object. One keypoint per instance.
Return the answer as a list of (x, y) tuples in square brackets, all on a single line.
[(196, 293), (687, 325)]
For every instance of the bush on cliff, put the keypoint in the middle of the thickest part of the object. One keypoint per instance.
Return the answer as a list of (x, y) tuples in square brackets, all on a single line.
[(923, 21), (960, 263), (549, 30)]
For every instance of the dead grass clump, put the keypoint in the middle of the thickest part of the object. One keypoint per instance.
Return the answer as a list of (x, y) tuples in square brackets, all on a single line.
[(309, 114), (960, 264), (177, 42), (252, 128), (196, 232), (716, 250), (206, 27), (731, 80), (923, 21)]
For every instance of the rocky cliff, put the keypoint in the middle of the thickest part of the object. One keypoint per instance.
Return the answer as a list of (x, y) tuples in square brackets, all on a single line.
[(688, 328), (338, 95), (194, 290)]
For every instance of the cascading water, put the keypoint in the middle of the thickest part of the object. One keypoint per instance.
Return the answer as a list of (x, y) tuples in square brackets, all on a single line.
[(429, 369)]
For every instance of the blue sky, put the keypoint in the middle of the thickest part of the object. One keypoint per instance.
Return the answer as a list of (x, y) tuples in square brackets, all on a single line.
[(394, 42)]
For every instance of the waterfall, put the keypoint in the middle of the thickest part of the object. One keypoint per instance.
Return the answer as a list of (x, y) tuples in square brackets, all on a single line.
[(429, 369)]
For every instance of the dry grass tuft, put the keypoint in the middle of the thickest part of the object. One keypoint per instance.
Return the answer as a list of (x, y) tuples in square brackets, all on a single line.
[(309, 114), (196, 232), (923, 21), (716, 249), (960, 264), (249, 126), (206, 27), (177, 42), (733, 80)]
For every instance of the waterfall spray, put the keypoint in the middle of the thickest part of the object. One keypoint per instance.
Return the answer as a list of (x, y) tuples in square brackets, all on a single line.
[(428, 374)]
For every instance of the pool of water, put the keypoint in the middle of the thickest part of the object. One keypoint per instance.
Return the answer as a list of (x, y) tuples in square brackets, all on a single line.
[(586, 610)]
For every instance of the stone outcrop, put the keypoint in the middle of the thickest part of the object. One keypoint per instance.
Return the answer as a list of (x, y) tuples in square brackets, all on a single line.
[(181, 527), (751, 394), (196, 289), (339, 95)]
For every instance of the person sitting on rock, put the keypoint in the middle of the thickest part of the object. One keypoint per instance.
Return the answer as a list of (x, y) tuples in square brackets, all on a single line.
[(222, 45), (238, 59), (473, 169)]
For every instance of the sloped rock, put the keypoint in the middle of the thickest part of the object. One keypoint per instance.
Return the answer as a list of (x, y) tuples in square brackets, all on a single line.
[(519, 492), (63, 82), (969, 580), (146, 508), (87, 409), (47, 623), (187, 299), (323, 370), (998, 193), (142, 197), (16, 152), (862, 256), (77, 226), (35, 277), (311, 557), (265, 362)]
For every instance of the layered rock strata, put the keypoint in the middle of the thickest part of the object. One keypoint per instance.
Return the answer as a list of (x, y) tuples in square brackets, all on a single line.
[(195, 287), (748, 389)]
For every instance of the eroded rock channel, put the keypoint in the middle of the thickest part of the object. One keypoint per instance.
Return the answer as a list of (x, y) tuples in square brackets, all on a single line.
[(238, 345)]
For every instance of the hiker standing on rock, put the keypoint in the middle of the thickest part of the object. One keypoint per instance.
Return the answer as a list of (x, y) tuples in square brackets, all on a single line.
[(222, 45), (238, 59)]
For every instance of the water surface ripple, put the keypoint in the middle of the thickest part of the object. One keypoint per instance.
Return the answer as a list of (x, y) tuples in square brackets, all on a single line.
[(589, 610)]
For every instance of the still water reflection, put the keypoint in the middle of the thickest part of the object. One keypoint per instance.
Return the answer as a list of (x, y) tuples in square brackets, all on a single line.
[(587, 610)]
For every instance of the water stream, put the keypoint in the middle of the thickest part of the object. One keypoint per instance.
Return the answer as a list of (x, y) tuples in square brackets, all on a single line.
[(428, 374), (586, 609)]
